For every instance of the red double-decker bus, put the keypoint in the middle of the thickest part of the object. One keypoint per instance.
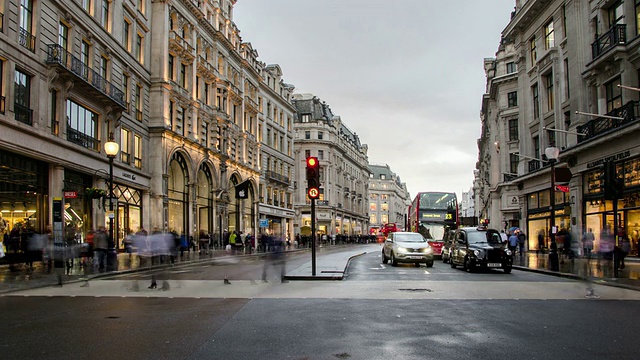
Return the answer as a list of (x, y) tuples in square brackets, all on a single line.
[(432, 214)]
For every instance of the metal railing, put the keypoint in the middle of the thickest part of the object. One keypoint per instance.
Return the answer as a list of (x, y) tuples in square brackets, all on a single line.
[(277, 177), (23, 114), (82, 139), (534, 165), (27, 40), (510, 177), (56, 54), (602, 125), (615, 36)]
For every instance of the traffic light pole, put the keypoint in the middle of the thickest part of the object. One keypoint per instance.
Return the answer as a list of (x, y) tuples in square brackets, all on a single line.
[(313, 237)]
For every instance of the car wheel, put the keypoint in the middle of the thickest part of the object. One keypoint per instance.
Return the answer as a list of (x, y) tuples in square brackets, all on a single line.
[(394, 262), (430, 264), (453, 265), (507, 270), (444, 259), (384, 258), (417, 264), (467, 265)]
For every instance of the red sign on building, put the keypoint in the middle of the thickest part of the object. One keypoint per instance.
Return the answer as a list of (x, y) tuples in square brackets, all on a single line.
[(562, 188), (70, 194)]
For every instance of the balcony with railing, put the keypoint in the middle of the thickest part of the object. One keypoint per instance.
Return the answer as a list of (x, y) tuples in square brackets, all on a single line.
[(82, 139), (178, 44), (93, 82), (510, 177), (23, 114), (27, 40), (271, 175), (206, 70), (601, 125), (615, 36), (534, 165)]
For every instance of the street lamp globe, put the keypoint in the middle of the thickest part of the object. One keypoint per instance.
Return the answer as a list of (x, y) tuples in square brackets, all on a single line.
[(111, 148), (552, 153)]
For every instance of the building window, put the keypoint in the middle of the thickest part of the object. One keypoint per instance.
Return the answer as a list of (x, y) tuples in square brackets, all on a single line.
[(550, 92), (197, 87), (125, 152), (536, 101), (614, 95), (137, 151), (511, 68), (567, 92), (183, 75), (86, 5), (126, 35), (85, 48), (307, 154), (549, 37), (637, 17), (533, 51), (139, 52), (138, 103), (125, 89), (551, 135), (536, 147), (63, 35), (171, 66), (373, 206), (171, 120), (513, 130), (306, 118), (320, 154), (104, 65), (141, 6), (307, 135), (512, 99), (55, 123), (320, 135), (26, 37), (22, 98), (513, 163), (82, 126), (616, 14), (104, 19), (372, 218)]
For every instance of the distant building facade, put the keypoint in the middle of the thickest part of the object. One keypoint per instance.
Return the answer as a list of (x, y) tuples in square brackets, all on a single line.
[(388, 198), (344, 170)]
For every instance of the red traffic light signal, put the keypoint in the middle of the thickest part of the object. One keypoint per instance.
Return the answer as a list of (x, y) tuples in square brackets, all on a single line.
[(313, 177)]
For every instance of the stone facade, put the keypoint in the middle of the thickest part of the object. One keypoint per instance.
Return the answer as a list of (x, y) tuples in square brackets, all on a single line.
[(388, 198)]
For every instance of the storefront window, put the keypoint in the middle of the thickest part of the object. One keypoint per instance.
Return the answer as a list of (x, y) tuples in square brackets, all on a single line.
[(545, 200), (533, 201)]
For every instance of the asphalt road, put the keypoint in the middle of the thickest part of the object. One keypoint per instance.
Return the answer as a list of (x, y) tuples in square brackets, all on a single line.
[(377, 312)]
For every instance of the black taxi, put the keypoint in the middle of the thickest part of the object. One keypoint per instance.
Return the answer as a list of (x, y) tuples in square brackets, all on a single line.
[(480, 248)]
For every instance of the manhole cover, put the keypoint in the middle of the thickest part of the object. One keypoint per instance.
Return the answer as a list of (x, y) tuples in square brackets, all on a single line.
[(417, 290)]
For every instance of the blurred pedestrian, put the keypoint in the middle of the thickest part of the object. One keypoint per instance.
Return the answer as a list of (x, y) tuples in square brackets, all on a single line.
[(513, 242), (587, 243), (101, 244), (625, 247), (522, 238), (540, 242)]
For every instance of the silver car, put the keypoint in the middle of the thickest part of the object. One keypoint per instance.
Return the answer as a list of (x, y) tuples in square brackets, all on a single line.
[(407, 247)]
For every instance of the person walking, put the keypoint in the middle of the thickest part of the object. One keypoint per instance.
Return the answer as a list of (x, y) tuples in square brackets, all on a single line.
[(587, 243), (625, 247), (232, 241), (100, 242), (513, 242), (522, 238), (540, 242)]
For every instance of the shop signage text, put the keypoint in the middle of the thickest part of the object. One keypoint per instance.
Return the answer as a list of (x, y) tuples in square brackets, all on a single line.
[(128, 176), (70, 194), (619, 156)]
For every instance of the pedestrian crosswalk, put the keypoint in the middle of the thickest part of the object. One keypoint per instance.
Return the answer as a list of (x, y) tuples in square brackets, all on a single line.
[(472, 290)]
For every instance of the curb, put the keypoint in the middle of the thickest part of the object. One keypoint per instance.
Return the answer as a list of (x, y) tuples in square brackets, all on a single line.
[(600, 281), (324, 278)]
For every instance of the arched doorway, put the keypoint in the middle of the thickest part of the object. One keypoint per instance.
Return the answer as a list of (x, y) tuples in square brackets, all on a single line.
[(248, 211), (233, 208), (178, 194), (204, 200)]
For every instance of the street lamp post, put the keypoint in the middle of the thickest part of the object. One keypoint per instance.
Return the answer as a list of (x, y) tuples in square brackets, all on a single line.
[(552, 154), (111, 148)]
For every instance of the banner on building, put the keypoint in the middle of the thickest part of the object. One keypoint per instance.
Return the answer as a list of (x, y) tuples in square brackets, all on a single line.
[(242, 190)]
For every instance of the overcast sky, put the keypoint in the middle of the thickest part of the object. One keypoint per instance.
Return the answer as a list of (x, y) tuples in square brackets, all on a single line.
[(405, 75)]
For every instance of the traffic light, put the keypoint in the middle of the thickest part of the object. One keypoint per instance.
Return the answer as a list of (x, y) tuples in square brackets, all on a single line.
[(313, 177), (610, 183)]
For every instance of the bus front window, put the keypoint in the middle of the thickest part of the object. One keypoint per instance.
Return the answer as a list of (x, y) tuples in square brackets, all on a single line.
[(432, 231)]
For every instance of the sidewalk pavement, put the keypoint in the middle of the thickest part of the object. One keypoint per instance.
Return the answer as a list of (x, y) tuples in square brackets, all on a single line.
[(330, 265), (595, 270)]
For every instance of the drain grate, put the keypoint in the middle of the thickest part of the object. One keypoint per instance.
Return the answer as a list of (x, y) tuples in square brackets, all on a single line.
[(417, 290), (112, 317)]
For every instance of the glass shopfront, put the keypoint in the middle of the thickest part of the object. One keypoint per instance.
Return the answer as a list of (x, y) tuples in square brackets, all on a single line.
[(77, 210), (178, 193), (599, 212), (24, 190), (129, 216), (539, 219)]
